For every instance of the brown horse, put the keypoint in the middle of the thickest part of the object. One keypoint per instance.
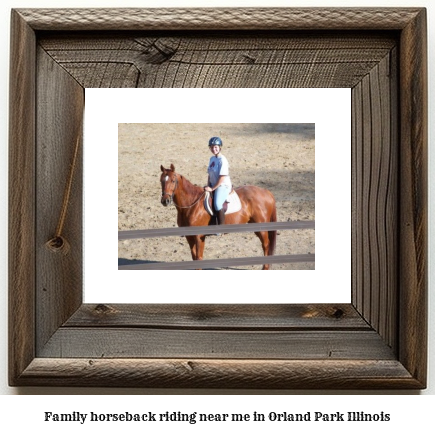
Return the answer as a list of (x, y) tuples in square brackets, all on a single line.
[(258, 206)]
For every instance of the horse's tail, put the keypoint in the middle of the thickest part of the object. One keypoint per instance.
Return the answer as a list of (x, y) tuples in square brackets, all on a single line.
[(272, 234)]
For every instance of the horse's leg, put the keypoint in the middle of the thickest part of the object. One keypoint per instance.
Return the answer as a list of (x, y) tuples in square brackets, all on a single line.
[(198, 248), (264, 238), (196, 244), (200, 243), (192, 244)]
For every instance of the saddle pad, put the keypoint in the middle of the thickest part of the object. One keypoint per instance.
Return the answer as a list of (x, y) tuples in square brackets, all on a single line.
[(233, 201)]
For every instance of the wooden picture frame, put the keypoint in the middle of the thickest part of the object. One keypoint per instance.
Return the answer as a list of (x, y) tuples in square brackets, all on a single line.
[(377, 341)]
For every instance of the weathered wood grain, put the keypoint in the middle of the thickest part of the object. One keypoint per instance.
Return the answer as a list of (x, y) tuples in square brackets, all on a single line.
[(227, 374), (252, 317), (59, 277), (379, 342), (375, 197), (94, 342), (220, 18), (234, 61), (413, 195), (21, 196), (388, 199), (392, 299)]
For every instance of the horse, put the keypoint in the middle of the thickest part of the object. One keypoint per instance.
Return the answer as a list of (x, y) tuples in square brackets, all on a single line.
[(258, 206)]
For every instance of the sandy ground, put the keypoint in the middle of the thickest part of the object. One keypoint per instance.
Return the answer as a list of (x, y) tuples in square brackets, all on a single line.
[(278, 157)]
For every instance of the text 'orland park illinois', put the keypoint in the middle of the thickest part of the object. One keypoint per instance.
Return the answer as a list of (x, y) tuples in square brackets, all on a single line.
[(198, 417)]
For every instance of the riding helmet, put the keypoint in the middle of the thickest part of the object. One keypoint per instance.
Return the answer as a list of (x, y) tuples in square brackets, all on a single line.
[(215, 141)]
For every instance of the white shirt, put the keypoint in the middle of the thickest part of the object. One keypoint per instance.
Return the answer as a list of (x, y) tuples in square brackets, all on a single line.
[(218, 166)]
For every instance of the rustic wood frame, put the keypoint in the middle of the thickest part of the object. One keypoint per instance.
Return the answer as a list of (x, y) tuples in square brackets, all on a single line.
[(377, 341)]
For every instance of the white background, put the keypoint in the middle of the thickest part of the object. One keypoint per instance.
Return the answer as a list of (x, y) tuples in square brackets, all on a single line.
[(328, 109), (410, 412)]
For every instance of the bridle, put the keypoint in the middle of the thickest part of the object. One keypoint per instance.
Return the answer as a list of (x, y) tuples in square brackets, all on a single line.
[(171, 195)]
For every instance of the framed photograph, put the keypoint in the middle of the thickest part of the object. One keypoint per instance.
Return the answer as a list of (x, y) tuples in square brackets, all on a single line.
[(289, 161), (57, 337)]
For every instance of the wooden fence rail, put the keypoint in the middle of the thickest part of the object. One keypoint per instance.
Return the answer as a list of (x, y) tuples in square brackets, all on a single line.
[(207, 230), (218, 263), (215, 263)]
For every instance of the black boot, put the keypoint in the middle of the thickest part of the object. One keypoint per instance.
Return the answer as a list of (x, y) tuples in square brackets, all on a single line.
[(221, 216)]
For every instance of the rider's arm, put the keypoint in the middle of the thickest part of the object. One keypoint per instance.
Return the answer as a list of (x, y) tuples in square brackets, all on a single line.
[(219, 182), (208, 186)]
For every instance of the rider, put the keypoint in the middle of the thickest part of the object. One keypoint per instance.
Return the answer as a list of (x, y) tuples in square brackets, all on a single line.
[(218, 178)]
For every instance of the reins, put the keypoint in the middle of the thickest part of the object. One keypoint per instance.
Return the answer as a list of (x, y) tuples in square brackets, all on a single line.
[(190, 206)]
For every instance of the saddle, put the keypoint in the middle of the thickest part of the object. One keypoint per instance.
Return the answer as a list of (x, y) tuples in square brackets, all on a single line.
[(231, 205)]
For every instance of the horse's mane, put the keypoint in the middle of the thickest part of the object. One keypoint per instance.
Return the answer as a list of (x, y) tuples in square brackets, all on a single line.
[(189, 188)]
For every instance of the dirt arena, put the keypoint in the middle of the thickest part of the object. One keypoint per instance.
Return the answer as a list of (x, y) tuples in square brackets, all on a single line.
[(278, 157)]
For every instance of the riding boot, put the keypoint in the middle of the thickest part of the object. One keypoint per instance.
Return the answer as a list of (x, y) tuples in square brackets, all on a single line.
[(221, 216)]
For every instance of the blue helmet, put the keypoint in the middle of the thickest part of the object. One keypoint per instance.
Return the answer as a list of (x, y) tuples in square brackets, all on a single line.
[(215, 141)]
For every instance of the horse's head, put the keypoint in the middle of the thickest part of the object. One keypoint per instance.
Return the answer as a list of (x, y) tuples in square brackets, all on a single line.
[(169, 182)]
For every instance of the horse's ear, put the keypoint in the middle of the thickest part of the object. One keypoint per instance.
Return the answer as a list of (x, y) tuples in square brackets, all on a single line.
[(162, 168), (172, 168)]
